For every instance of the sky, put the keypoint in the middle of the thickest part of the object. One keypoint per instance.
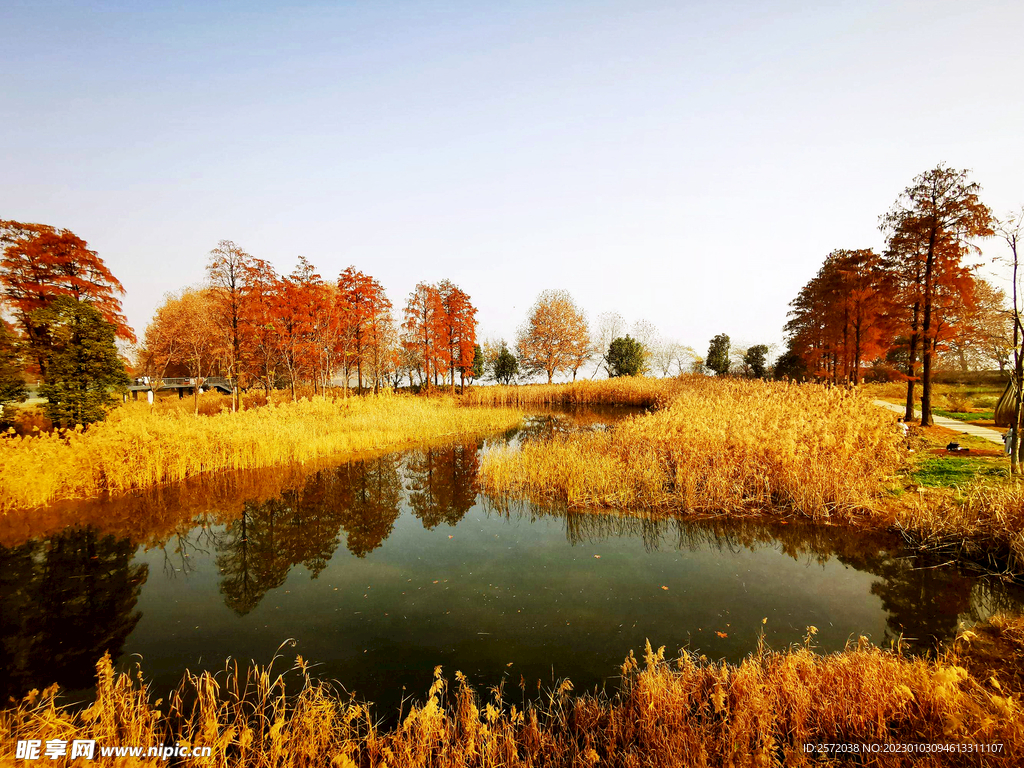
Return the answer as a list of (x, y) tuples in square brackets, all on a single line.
[(690, 164)]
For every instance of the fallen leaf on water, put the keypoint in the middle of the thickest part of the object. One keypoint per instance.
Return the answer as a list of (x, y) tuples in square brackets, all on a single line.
[(721, 634), (510, 664)]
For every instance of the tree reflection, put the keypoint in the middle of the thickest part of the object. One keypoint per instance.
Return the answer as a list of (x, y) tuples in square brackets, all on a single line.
[(303, 526), (926, 599), (443, 483), (64, 602)]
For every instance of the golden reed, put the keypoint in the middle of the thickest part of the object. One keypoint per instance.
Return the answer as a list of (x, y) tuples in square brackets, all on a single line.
[(688, 712), (717, 446), (139, 447)]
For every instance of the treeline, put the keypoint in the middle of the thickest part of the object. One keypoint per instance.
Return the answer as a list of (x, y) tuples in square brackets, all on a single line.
[(895, 315), (260, 329)]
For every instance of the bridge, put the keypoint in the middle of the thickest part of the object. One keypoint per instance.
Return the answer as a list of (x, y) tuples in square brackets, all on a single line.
[(220, 383)]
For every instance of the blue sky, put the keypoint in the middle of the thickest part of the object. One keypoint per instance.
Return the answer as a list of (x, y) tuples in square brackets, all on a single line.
[(687, 163)]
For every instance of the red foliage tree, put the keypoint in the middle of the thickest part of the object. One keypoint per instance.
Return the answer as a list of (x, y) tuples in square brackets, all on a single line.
[(39, 264)]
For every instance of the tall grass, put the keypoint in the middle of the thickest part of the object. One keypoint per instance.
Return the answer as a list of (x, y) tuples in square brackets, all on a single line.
[(690, 712), (138, 447), (721, 446), (627, 390), (982, 523)]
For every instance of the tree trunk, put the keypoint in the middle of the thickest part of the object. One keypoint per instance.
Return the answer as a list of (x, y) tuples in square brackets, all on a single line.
[(911, 368), (927, 343)]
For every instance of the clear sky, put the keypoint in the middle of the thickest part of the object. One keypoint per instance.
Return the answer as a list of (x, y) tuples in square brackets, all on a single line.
[(688, 163)]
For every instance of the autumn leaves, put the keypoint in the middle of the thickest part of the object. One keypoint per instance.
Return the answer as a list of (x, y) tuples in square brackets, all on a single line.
[(264, 330), (904, 304)]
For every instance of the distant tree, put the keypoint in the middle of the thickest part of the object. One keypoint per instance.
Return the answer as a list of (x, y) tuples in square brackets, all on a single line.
[(82, 367), (227, 269), (39, 264), (842, 317), (185, 330), (718, 355), (610, 326), (12, 384), (455, 321), (626, 356), (479, 362), (555, 338), (420, 327), (930, 228), (366, 317), (790, 365), (756, 360), (505, 365), (981, 334)]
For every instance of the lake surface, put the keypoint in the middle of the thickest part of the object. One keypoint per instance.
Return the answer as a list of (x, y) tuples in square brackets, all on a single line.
[(382, 568)]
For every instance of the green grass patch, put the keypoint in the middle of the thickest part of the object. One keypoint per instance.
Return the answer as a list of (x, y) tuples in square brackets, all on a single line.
[(944, 472), (976, 416)]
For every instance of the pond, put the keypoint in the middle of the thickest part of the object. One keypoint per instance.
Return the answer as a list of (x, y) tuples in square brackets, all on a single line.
[(379, 569)]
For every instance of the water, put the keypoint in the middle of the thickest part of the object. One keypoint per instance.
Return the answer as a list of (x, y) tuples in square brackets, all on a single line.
[(379, 569)]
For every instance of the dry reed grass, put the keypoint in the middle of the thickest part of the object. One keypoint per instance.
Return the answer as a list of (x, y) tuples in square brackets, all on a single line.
[(636, 391), (138, 447), (718, 446), (691, 712), (981, 523)]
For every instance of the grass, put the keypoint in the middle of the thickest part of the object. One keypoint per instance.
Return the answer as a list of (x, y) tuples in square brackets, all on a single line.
[(717, 446), (638, 391), (955, 471), (688, 712), (969, 416), (948, 398), (139, 447)]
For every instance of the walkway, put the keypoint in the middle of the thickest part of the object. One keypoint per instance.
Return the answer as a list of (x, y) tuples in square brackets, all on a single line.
[(957, 426)]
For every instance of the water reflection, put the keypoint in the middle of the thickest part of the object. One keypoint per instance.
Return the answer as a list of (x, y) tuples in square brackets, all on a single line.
[(63, 603), (386, 566), (926, 601)]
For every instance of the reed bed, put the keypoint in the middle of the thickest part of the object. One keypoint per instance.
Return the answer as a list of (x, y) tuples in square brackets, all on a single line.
[(637, 391), (138, 447), (688, 712), (717, 446), (980, 523)]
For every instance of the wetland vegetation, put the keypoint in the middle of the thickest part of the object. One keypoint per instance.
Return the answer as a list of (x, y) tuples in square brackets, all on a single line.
[(515, 599)]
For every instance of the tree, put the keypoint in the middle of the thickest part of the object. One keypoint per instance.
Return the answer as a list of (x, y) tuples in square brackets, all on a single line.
[(626, 356), (756, 360), (718, 355), (980, 336), (226, 271), (12, 385), (1011, 228), (420, 327), (505, 365), (455, 321), (555, 337), (610, 326), (930, 227), (841, 317), (478, 362), (259, 304), (185, 330), (82, 365), (40, 264), (365, 310)]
